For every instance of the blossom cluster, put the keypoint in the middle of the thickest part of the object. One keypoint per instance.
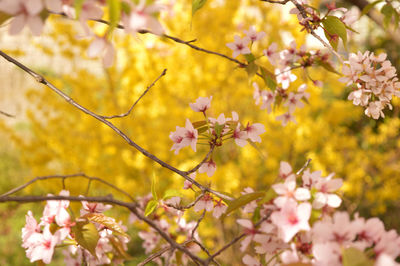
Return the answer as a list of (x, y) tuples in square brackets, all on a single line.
[(58, 228), (134, 17), (302, 226), (374, 82), (214, 131)]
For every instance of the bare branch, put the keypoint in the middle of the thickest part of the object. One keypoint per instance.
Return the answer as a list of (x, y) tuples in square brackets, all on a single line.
[(283, 2), (42, 80), (63, 177), (130, 109), (181, 208), (194, 169), (108, 199), (198, 223), (304, 167), (7, 114)]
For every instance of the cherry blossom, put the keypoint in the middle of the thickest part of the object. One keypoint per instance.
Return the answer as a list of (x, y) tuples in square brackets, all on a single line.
[(184, 136), (30, 228), (291, 219), (42, 246), (286, 118), (93, 207), (253, 35), (288, 191), (205, 203), (219, 209), (253, 131), (239, 46), (100, 46), (272, 53), (251, 261), (25, 12), (201, 104), (142, 18), (56, 211), (285, 170), (284, 77), (208, 167), (240, 136), (250, 232)]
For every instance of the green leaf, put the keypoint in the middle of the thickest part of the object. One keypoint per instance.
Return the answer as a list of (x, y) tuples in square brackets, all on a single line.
[(249, 57), (269, 78), (86, 235), (269, 195), (114, 12), (197, 5), (119, 248), (388, 11), (368, 7), (172, 193), (327, 66), (218, 129), (334, 26), (256, 215), (355, 257), (153, 187), (151, 207), (243, 200), (125, 7), (198, 124), (251, 69), (4, 17), (108, 222), (78, 4), (202, 129)]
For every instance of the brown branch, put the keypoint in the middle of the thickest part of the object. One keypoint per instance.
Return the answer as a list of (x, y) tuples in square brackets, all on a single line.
[(42, 80), (198, 223), (7, 114), (194, 169), (63, 177), (159, 253), (304, 167), (130, 109), (283, 2), (236, 239), (109, 199), (181, 208)]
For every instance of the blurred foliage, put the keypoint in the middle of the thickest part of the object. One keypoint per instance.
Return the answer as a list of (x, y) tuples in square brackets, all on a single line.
[(334, 133)]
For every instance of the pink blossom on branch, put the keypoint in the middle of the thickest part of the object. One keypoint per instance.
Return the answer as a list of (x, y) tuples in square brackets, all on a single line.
[(201, 104), (239, 46), (208, 167), (184, 136)]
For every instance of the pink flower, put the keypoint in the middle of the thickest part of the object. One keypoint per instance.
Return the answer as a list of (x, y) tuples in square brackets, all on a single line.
[(288, 191), (324, 196), (25, 12), (93, 207), (205, 203), (291, 219), (42, 246), (240, 136), (253, 131), (208, 167), (102, 47), (286, 118), (272, 53), (293, 101), (219, 209), (284, 77), (253, 35), (56, 211), (201, 104), (142, 18), (187, 184), (30, 228), (251, 261), (285, 171), (184, 136), (239, 46), (250, 232)]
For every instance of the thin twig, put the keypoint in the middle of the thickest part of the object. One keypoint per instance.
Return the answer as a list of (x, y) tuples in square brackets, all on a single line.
[(304, 167), (194, 169), (236, 239), (42, 80), (130, 109), (63, 177), (198, 223), (181, 208), (108, 199), (7, 114), (283, 2)]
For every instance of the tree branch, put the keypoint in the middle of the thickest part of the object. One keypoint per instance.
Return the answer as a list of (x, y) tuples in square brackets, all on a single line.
[(63, 177), (7, 114), (130, 109), (42, 80), (108, 199)]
